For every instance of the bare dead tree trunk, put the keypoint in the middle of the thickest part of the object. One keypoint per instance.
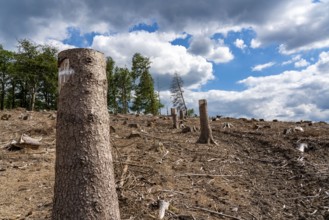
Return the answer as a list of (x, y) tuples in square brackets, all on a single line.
[(206, 132), (84, 178), (174, 118)]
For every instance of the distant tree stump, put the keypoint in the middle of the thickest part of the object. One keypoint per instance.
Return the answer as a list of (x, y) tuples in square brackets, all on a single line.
[(84, 178), (174, 118), (181, 114), (206, 132)]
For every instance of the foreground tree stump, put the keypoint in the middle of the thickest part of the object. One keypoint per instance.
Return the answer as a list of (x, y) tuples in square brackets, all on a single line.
[(206, 132), (84, 178)]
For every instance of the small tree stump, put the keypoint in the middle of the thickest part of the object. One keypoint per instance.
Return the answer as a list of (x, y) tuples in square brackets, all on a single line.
[(134, 134), (206, 132), (133, 125), (181, 114), (5, 117), (174, 118)]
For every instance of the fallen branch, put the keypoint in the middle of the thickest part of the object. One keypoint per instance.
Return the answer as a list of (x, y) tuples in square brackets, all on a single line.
[(163, 206), (124, 172), (24, 142), (216, 213), (205, 174), (133, 164)]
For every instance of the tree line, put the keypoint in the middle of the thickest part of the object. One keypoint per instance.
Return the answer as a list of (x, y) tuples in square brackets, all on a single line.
[(29, 79)]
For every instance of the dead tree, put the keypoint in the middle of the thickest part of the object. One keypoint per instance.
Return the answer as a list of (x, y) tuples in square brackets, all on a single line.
[(174, 118), (84, 177), (206, 132)]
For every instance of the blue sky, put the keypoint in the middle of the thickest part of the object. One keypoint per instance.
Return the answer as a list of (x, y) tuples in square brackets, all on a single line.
[(262, 59)]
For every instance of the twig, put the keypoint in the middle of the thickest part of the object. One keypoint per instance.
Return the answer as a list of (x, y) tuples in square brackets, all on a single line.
[(124, 172), (205, 174), (306, 197), (172, 191), (216, 213), (132, 164)]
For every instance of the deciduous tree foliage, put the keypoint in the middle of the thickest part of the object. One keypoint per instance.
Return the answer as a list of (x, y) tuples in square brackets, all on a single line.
[(123, 85), (29, 79), (6, 62), (112, 90), (29, 76)]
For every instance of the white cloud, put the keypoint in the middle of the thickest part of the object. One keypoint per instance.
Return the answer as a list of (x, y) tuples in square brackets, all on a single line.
[(297, 60), (166, 58), (260, 67), (212, 50), (255, 43), (239, 43), (58, 44), (302, 24), (291, 95), (301, 63)]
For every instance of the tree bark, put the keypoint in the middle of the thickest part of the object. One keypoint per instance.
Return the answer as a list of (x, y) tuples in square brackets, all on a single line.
[(174, 118), (84, 177), (33, 94), (206, 132)]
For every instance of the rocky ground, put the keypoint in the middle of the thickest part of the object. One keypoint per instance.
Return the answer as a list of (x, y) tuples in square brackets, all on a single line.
[(256, 171)]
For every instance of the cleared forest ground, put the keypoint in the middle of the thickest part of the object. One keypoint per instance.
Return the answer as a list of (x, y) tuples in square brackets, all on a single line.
[(255, 172)]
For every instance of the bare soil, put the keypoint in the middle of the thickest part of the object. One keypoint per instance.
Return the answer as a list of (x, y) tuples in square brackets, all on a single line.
[(255, 171)]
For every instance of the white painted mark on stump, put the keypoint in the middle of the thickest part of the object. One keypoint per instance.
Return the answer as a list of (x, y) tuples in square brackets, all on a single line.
[(64, 73)]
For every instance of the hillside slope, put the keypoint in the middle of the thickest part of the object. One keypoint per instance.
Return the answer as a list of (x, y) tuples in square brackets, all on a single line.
[(255, 172)]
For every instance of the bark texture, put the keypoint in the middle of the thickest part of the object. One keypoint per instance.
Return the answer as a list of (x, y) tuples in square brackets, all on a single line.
[(174, 118), (206, 132), (84, 178)]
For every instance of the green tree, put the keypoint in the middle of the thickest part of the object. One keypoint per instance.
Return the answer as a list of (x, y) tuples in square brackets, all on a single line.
[(190, 112), (145, 97), (6, 62), (36, 74), (48, 84), (177, 92), (140, 65), (26, 65), (123, 83), (112, 89)]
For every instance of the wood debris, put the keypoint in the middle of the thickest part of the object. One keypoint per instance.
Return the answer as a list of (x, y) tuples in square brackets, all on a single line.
[(24, 141)]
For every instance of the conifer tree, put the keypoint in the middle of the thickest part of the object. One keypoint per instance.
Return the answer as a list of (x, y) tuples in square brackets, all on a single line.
[(145, 97), (112, 87), (123, 84)]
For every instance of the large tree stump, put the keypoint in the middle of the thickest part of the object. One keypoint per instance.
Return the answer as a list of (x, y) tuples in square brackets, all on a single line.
[(84, 178), (206, 132), (174, 118)]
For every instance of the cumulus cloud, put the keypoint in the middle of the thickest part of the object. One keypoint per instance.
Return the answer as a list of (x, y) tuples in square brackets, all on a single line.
[(301, 63), (239, 43), (212, 50), (297, 60), (255, 43), (58, 44), (166, 58), (291, 95), (260, 67), (302, 24)]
